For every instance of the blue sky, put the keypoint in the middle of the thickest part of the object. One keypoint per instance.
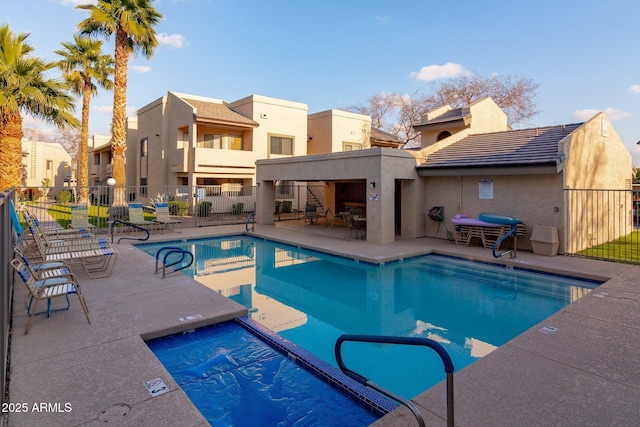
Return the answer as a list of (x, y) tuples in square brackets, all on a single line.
[(585, 55)]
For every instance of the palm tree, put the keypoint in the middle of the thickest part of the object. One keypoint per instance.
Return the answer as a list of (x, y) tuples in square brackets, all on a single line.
[(83, 62), (132, 22), (25, 88)]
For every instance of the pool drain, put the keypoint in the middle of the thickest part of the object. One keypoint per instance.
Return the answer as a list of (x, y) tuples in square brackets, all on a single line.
[(114, 413)]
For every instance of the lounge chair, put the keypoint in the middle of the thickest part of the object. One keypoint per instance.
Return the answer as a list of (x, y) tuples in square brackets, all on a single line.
[(136, 216), (164, 217), (80, 217), (96, 256), (47, 289)]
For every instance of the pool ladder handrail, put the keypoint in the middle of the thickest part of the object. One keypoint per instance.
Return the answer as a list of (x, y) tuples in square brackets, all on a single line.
[(253, 223), (446, 360), (513, 232), (172, 250), (117, 221)]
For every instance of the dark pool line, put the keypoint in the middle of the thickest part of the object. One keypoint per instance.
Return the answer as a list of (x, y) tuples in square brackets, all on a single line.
[(379, 404)]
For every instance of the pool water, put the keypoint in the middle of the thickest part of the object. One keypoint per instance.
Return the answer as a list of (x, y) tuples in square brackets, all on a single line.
[(236, 379), (311, 298)]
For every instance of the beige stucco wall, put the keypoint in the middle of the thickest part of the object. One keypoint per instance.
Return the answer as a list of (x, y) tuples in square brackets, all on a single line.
[(276, 117), (486, 117), (332, 128), (39, 153), (532, 198), (596, 159)]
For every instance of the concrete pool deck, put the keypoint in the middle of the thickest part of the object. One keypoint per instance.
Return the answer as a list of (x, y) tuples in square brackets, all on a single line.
[(585, 373)]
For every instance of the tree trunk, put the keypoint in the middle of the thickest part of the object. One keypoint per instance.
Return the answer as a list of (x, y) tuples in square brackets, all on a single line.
[(83, 151), (10, 150), (118, 126)]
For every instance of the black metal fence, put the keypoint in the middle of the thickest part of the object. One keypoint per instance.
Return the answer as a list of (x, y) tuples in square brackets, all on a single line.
[(603, 224), (6, 286), (195, 206)]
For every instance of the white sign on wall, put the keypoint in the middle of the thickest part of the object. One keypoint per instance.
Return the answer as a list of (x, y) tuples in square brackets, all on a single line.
[(485, 189)]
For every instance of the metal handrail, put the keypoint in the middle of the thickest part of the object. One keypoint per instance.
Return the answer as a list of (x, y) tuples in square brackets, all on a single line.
[(513, 232), (446, 360), (251, 217), (172, 250), (130, 225)]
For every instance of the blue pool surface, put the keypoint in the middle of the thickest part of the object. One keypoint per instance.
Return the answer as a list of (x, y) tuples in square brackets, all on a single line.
[(311, 298), (236, 379)]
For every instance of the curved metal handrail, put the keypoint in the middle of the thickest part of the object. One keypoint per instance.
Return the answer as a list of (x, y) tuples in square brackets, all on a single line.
[(117, 221), (446, 360), (172, 250), (253, 223), (513, 232)]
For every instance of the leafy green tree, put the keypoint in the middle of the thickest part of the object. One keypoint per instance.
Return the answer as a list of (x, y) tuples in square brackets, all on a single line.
[(132, 22), (83, 63), (26, 89)]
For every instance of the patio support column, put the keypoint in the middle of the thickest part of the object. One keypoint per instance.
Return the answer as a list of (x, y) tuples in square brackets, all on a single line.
[(265, 202)]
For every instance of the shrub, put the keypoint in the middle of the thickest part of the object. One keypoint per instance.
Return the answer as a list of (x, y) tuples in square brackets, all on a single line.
[(63, 197), (286, 206), (237, 208), (278, 203), (204, 209), (32, 194), (178, 208)]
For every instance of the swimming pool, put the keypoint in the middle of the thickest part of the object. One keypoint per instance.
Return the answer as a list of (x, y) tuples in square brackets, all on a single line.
[(311, 298)]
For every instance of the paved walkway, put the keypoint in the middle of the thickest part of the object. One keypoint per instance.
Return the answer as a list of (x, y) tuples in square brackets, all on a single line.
[(586, 373)]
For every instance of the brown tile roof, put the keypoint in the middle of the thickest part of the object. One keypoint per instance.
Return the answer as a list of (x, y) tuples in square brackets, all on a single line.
[(533, 147), (378, 136), (219, 113)]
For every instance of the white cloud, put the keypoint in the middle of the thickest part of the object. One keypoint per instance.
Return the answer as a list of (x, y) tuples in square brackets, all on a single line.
[(634, 88), (614, 114), (108, 109), (75, 3), (435, 72), (172, 41), (382, 18), (141, 68)]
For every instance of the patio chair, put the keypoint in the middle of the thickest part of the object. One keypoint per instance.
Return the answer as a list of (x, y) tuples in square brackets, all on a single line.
[(47, 289), (46, 269), (311, 214), (164, 217), (96, 256), (353, 225), (80, 217), (136, 216)]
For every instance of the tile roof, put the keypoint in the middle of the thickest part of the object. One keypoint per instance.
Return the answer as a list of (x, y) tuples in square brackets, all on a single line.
[(534, 147), (219, 113), (455, 114), (378, 135)]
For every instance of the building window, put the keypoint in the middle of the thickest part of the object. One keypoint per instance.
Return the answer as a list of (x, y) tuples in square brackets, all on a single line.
[(49, 165), (210, 140), (284, 189), (144, 147), (143, 187), (96, 159), (350, 146), (442, 135), (281, 145), (235, 142)]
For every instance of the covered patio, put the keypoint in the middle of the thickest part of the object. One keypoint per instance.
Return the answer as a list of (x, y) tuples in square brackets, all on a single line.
[(381, 182)]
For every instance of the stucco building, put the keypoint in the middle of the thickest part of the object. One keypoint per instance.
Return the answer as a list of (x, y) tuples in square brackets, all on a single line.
[(470, 161)]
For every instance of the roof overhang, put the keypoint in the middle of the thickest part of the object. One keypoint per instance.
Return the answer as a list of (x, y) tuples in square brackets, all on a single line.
[(226, 123), (445, 123), (526, 169)]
